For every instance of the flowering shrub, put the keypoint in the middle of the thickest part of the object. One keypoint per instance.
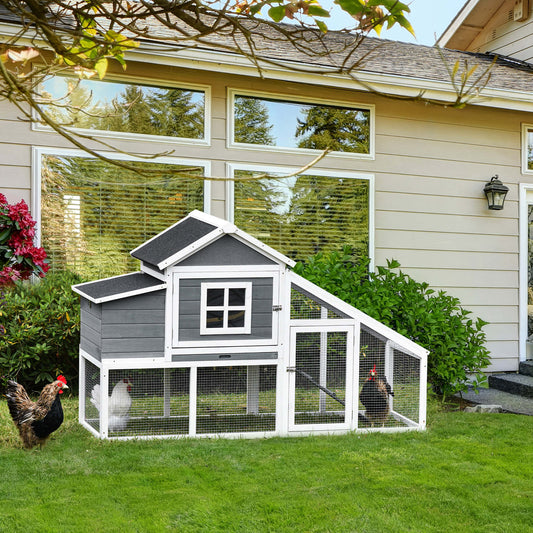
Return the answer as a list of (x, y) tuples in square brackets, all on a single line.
[(19, 258)]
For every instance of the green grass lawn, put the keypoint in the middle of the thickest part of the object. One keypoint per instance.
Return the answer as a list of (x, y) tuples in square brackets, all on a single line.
[(467, 472)]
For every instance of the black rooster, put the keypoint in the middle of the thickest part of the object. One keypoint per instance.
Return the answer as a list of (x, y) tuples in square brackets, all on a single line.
[(36, 420), (375, 398)]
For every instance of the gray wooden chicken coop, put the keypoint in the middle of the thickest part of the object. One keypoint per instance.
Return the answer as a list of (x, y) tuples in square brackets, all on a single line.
[(216, 335)]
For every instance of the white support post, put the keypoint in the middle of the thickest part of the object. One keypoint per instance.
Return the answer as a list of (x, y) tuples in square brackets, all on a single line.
[(252, 390), (389, 368), (166, 392), (82, 393), (104, 402), (193, 392), (323, 377)]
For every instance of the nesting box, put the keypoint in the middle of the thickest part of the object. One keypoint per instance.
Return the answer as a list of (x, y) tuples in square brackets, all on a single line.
[(217, 336)]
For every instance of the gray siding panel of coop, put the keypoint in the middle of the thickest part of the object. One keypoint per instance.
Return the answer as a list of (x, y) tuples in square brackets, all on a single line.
[(91, 328), (173, 240), (120, 285), (227, 251), (254, 356), (189, 310), (134, 327)]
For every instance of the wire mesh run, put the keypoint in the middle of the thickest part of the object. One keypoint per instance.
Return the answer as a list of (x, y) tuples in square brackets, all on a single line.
[(237, 399), (320, 378), (303, 307), (389, 383), (92, 394)]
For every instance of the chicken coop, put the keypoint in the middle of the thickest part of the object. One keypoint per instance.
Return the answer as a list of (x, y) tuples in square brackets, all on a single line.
[(215, 335)]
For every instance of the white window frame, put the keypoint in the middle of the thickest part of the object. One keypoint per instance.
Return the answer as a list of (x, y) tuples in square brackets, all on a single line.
[(231, 168), (526, 128), (38, 152), (226, 308), (151, 82), (232, 92)]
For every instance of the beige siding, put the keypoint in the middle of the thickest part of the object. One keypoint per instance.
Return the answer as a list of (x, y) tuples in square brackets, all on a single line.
[(430, 167)]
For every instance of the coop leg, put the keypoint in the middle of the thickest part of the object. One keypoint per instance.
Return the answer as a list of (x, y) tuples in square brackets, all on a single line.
[(252, 402), (166, 392)]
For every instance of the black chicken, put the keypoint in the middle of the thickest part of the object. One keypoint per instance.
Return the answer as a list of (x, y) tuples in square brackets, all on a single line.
[(375, 398), (36, 420)]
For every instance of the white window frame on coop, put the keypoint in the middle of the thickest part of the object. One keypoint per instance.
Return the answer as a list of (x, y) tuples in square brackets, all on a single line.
[(225, 308)]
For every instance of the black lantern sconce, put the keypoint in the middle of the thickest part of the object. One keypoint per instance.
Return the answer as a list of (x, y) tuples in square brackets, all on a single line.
[(495, 191)]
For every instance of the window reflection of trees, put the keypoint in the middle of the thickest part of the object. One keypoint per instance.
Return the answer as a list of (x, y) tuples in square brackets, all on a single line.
[(304, 215), (271, 122), (123, 107), (114, 211)]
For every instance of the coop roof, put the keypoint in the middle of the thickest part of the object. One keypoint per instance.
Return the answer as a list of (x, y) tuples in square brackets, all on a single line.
[(193, 233), (117, 287)]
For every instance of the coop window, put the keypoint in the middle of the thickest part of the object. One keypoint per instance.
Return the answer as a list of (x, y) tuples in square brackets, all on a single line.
[(226, 308)]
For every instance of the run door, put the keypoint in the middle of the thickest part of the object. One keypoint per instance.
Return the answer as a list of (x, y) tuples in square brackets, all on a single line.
[(320, 378)]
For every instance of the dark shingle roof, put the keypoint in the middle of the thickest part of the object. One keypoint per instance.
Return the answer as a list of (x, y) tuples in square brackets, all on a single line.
[(172, 240), (119, 287), (376, 56)]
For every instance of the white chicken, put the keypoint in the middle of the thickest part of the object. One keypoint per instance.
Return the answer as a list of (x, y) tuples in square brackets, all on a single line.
[(119, 404)]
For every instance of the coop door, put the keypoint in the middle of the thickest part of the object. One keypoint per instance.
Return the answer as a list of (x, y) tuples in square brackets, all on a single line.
[(320, 388)]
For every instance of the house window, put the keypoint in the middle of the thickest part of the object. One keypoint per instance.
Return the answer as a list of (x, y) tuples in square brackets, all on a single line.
[(302, 215), (297, 124), (93, 213), (225, 308), (177, 113), (527, 149)]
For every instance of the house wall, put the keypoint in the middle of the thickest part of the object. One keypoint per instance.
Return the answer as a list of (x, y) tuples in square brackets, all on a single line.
[(505, 36), (430, 167)]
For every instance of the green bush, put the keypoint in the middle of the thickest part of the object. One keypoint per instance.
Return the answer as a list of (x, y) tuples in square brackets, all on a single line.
[(434, 320), (40, 326)]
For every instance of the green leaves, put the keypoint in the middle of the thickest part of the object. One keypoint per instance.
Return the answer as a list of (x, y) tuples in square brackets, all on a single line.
[(435, 320)]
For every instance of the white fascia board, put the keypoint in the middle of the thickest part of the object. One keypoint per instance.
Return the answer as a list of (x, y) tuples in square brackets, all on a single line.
[(457, 22), (383, 83)]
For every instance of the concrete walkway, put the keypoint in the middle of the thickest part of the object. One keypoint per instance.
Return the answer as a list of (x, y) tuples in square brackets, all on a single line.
[(511, 403)]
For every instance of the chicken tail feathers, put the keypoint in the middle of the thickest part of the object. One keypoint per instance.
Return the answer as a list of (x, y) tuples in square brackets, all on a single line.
[(18, 402), (95, 396)]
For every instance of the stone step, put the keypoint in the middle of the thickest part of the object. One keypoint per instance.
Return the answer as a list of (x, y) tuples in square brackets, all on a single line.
[(526, 368), (519, 384), (510, 403)]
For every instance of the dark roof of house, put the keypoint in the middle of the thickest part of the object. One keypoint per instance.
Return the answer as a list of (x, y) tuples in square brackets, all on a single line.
[(119, 287), (172, 240), (378, 56)]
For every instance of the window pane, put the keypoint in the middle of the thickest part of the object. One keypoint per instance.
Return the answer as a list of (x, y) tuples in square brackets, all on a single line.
[(530, 149), (94, 213), (215, 297), (272, 122), (236, 297), (215, 319), (236, 319), (125, 107), (303, 215)]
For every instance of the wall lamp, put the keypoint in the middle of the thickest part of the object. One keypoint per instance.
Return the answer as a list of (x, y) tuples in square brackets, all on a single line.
[(495, 191)]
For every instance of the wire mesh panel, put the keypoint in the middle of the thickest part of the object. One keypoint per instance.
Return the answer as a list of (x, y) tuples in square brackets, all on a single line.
[(389, 383), (303, 306), (406, 371), (92, 394), (236, 399), (320, 377), (148, 402)]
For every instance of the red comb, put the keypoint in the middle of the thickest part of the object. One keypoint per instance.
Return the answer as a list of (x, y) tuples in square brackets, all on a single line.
[(63, 379), (373, 369)]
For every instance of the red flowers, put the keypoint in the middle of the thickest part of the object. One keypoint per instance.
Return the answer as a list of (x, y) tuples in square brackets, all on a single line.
[(19, 258)]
